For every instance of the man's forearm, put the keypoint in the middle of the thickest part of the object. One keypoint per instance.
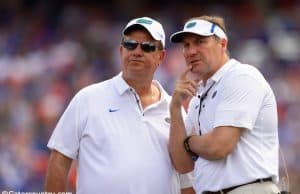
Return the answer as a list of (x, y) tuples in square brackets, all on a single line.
[(189, 190), (181, 159), (216, 144), (55, 183), (57, 173)]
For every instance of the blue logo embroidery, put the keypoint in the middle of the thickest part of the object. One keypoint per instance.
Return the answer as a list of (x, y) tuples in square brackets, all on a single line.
[(114, 110), (190, 25), (144, 21)]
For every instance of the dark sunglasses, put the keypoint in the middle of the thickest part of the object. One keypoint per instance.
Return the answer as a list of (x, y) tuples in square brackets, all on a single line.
[(145, 46)]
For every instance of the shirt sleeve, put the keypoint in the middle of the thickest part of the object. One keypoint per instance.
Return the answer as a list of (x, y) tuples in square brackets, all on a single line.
[(240, 102), (66, 135), (186, 180)]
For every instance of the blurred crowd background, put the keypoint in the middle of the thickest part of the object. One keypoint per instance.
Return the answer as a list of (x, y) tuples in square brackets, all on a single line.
[(51, 49)]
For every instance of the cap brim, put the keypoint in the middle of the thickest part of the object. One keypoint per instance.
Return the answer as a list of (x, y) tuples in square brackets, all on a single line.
[(133, 27), (178, 36)]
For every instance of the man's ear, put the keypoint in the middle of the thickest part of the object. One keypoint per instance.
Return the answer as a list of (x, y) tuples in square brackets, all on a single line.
[(162, 56), (224, 43), (121, 49)]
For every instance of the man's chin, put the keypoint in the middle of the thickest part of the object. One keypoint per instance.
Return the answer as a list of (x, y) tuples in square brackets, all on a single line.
[(194, 75), (194, 70)]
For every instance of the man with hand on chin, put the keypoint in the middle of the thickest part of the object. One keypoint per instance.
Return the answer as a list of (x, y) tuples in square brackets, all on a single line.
[(230, 135)]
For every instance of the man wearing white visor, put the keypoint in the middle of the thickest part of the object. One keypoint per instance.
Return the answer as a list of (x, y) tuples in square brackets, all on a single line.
[(230, 135)]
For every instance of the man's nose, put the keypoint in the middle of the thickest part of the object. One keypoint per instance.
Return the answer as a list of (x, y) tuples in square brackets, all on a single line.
[(192, 50), (138, 49)]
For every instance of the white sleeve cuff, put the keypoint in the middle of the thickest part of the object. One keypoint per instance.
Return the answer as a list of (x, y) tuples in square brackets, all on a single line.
[(186, 180)]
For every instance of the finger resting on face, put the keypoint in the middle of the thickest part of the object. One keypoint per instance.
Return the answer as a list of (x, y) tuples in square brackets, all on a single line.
[(185, 72)]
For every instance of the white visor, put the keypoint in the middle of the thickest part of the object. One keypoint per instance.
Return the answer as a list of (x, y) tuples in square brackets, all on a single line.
[(198, 27)]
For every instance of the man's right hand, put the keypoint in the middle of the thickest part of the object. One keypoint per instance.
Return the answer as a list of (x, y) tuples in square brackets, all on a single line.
[(184, 88)]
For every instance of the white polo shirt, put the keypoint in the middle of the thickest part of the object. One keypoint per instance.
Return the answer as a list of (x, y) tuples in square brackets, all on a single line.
[(120, 147), (240, 97)]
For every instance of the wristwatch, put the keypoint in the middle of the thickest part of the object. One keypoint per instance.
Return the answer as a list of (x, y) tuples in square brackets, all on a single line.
[(188, 149)]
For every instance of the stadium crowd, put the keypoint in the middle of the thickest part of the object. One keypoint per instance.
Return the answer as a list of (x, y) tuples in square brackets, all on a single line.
[(50, 50)]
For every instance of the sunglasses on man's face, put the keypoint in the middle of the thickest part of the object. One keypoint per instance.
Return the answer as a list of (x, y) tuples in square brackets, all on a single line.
[(145, 46)]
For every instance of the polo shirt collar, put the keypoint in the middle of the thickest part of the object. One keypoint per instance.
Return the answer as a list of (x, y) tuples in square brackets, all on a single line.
[(163, 93), (120, 84)]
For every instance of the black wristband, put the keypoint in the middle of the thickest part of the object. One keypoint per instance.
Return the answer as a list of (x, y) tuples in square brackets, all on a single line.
[(188, 149)]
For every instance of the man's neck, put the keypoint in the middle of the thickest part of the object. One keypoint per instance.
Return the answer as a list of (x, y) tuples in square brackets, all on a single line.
[(225, 59), (148, 93), (142, 87)]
